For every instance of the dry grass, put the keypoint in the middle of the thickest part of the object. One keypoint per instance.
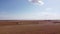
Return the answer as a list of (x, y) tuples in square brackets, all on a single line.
[(28, 27), (31, 29)]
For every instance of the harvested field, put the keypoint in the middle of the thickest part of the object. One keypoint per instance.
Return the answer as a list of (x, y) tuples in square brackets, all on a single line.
[(29, 27)]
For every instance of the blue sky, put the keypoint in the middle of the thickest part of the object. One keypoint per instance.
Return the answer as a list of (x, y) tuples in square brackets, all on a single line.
[(27, 10)]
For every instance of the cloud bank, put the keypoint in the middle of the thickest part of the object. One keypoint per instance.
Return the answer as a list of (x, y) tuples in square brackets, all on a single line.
[(46, 14)]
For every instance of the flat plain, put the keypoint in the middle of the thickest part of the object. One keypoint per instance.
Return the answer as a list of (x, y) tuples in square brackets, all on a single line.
[(29, 27)]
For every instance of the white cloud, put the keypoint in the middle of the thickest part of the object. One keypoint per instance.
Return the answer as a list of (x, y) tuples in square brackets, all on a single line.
[(37, 2), (41, 3)]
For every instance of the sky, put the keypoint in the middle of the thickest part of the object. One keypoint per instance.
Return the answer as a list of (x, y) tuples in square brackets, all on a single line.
[(29, 9)]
